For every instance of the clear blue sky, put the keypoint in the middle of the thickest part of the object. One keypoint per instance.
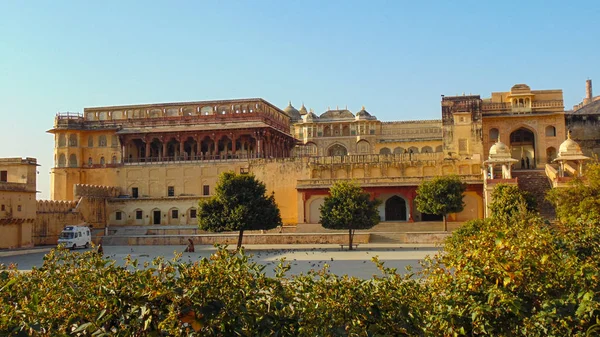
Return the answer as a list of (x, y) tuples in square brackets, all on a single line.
[(394, 57)]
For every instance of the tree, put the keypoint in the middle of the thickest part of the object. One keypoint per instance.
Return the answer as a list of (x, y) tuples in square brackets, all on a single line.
[(509, 200), (581, 200), (240, 203), (349, 207), (441, 196)]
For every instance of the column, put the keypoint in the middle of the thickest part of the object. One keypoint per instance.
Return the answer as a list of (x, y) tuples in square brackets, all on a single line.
[(198, 147), (233, 140), (181, 149), (124, 144), (164, 148), (147, 154)]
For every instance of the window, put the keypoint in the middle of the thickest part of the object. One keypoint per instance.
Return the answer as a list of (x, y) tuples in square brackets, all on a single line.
[(114, 160), (139, 214), (19, 208), (192, 213), (171, 191), (114, 142), (205, 190), (118, 216), (175, 214), (91, 141), (550, 131), (134, 192), (90, 161), (62, 161), (62, 140), (4, 176), (73, 160), (462, 145), (73, 140), (494, 134), (102, 161), (102, 141)]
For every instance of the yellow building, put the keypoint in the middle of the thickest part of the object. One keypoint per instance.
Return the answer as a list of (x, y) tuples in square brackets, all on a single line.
[(17, 201), (159, 159)]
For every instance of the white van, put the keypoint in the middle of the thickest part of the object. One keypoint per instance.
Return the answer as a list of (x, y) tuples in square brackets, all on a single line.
[(75, 236)]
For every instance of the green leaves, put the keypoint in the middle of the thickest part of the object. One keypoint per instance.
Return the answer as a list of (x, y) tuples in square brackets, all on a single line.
[(349, 207), (240, 203)]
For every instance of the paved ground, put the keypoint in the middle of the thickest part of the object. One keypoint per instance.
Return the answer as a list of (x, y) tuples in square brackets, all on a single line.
[(302, 257)]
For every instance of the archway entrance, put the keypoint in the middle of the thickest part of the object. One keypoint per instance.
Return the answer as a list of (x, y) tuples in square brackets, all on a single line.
[(522, 144), (395, 209)]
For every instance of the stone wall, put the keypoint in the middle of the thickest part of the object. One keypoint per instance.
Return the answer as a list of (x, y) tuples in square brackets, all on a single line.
[(96, 191), (51, 217)]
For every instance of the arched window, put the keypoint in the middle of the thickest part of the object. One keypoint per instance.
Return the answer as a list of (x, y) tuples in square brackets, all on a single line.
[(73, 140), (114, 160), (413, 149), (114, 142), (102, 141), (439, 148), (91, 141), (384, 150), (337, 150), (62, 140), (73, 160), (426, 149), (62, 160), (90, 161), (363, 147), (550, 131), (102, 162), (399, 150), (494, 134)]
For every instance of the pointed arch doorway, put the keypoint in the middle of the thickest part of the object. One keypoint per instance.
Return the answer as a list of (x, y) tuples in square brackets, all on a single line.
[(522, 144), (395, 209)]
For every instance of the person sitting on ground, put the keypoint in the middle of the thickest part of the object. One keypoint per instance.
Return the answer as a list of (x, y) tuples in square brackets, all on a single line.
[(100, 250), (190, 247)]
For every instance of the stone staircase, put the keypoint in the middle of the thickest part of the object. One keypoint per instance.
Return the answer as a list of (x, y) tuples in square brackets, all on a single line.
[(536, 182)]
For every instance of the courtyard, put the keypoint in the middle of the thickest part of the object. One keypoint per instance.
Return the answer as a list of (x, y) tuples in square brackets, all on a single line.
[(302, 258)]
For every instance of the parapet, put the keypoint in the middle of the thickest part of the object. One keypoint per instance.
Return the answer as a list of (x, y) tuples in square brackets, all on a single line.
[(55, 206), (97, 191)]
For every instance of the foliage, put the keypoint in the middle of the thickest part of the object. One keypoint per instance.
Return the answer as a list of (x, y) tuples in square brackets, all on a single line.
[(349, 207), (240, 203), (507, 200), (226, 295), (581, 201), (441, 196)]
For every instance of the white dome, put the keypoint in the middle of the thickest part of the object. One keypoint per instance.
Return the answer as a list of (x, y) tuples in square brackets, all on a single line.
[(499, 150)]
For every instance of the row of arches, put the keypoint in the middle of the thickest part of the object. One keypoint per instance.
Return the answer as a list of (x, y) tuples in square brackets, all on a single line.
[(102, 161), (337, 149), (73, 141), (156, 216), (62, 161), (412, 149), (494, 133)]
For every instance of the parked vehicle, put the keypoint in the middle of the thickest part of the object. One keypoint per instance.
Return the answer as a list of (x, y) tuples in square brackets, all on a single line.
[(75, 236)]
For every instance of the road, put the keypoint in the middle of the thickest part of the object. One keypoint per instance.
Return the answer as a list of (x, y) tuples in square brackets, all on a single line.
[(301, 257)]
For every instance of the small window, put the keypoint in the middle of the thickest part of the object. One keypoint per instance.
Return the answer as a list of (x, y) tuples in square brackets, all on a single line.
[(91, 141), (102, 161), (138, 215), (114, 160), (118, 216), (4, 176), (90, 161), (192, 213), (205, 190), (550, 131), (134, 192), (3, 208), (19, 208), (175, 214), (102, 141), (171, 191)]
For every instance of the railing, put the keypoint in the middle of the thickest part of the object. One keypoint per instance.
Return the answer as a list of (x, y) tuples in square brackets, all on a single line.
[(376, 158), (69, 115), (547, 104), (496, 106), (551, 173), (381, 181), (183, 159), (509, 106)]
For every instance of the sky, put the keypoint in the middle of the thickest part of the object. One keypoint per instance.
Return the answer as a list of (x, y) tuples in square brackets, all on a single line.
[(394, 57)]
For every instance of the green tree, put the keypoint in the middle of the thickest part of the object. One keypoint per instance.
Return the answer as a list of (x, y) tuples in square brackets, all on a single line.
[(581, 200), (508, 200), (349, 207), (441, 196), (240, 203)]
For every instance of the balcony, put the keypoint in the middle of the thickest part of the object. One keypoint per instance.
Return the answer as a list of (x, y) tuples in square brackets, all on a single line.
[(380, 181)]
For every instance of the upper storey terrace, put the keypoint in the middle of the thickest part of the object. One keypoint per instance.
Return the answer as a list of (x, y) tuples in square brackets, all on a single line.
[(206, 113)]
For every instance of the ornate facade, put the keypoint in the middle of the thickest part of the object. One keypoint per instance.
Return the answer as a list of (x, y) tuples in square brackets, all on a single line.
[(162, 158)]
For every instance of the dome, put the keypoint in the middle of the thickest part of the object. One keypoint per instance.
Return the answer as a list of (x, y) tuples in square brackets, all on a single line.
[(337, 114), (309, 117), (569, 148), (302, 110), (292, 112), (363, 114), (499, 150)]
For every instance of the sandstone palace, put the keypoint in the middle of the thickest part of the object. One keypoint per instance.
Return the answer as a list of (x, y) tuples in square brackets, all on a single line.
[(150, 164)]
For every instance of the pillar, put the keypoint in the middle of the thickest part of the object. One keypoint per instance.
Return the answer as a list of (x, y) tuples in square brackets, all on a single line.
[(147, 154), (164, 149), (181, 149)]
